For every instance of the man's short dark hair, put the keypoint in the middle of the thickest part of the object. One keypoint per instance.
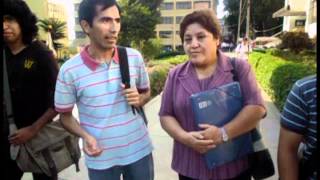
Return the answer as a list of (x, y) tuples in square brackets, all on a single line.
[(27, 21), (87, 8), (206, 18)]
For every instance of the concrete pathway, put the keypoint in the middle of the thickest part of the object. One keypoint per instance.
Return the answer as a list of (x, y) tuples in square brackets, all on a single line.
[(163, 143)]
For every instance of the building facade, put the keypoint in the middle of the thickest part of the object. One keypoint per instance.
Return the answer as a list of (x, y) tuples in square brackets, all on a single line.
[(172, 12), (81, 38), (299, 16), (45, 9)]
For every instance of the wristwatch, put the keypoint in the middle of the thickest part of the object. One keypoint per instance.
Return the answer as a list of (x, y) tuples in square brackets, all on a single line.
[(225, 136)]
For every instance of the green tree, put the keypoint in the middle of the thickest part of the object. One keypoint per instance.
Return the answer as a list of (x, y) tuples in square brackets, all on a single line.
[(56, 28), (260, 17), (152, 48), (138, 22)]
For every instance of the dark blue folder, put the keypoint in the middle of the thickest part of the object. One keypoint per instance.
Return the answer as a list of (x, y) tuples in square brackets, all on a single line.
[(218, 107)]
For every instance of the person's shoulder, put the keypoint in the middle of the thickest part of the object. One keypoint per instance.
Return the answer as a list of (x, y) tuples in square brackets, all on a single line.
[(306, 83), (132, 51), (179, 69), (240, 63), (134, 55), (73, 61), (307, 80), (39, 47)]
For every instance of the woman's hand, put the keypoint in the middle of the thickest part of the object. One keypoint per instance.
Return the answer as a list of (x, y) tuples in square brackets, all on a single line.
[(197, 142), (211, 132)]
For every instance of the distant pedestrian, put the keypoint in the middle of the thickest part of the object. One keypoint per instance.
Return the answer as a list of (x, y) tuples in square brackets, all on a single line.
[(243, 49), (32, 72), (299, 125), (116, 140)]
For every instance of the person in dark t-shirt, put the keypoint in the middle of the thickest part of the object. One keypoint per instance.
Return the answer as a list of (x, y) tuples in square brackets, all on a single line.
[(32, 72)]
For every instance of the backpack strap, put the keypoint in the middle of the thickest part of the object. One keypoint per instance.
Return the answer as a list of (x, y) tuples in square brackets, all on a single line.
[(125, 77), (124, 69), (52, 166), (233, 71), (7, 93)]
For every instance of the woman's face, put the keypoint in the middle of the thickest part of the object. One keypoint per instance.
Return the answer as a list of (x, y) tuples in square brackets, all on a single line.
[(200, 45)]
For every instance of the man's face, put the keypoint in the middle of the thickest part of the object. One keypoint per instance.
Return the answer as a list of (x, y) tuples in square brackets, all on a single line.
[(105, 28), (11, 30)]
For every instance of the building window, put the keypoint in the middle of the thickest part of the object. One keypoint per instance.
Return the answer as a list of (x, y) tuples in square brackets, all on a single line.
[(165, 34), (179, 19), (166, 6), (76, 7), (80, 35), (167, 48), (300, 22), (183, 5), (167, 20), (201, 5)]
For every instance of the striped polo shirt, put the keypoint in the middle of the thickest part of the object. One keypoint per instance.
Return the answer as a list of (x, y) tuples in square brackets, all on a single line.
[(300, 112), (103, 110)]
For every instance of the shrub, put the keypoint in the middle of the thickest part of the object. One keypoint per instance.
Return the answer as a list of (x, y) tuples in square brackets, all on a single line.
[(296, 41), (283, 77), (158, 71), (306, 56), (151, 48), (169, 54), (276, 75), (158, 78)]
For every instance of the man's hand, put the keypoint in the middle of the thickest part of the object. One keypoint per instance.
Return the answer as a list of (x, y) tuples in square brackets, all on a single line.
[(211, 132), (132, 95), (91, 147), (22, 135), (197, 142)]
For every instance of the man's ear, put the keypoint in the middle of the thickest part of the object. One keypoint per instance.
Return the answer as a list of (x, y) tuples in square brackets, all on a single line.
[(85, 26)]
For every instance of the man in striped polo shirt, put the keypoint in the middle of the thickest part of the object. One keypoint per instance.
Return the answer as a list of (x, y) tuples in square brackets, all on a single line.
[(299, 124), (116, 140)]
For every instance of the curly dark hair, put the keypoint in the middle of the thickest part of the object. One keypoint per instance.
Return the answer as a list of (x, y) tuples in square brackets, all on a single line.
[(19, 10), (206, 18)]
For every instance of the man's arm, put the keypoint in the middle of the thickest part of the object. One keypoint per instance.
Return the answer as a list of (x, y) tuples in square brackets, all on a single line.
[(288, 154), (25, 134), (91, 146)]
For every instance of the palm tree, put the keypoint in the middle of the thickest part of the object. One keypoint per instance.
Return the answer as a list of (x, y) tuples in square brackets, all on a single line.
[(56, 28)]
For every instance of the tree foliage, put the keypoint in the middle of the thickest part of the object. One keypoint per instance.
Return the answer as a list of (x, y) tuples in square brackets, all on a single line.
[(260, 17), (56, 28), (138, 21)]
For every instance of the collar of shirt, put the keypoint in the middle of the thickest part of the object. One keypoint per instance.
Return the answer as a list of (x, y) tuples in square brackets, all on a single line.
[(93, 63)]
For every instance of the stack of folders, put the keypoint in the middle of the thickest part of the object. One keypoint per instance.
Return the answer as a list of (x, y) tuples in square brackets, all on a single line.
[(218, 107)]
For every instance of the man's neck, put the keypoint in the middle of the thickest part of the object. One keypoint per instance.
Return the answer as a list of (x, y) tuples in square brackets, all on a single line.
[(100, 54), (16, 47)]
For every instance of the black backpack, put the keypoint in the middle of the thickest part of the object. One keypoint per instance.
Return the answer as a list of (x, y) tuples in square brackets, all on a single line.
[(125, 76)]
